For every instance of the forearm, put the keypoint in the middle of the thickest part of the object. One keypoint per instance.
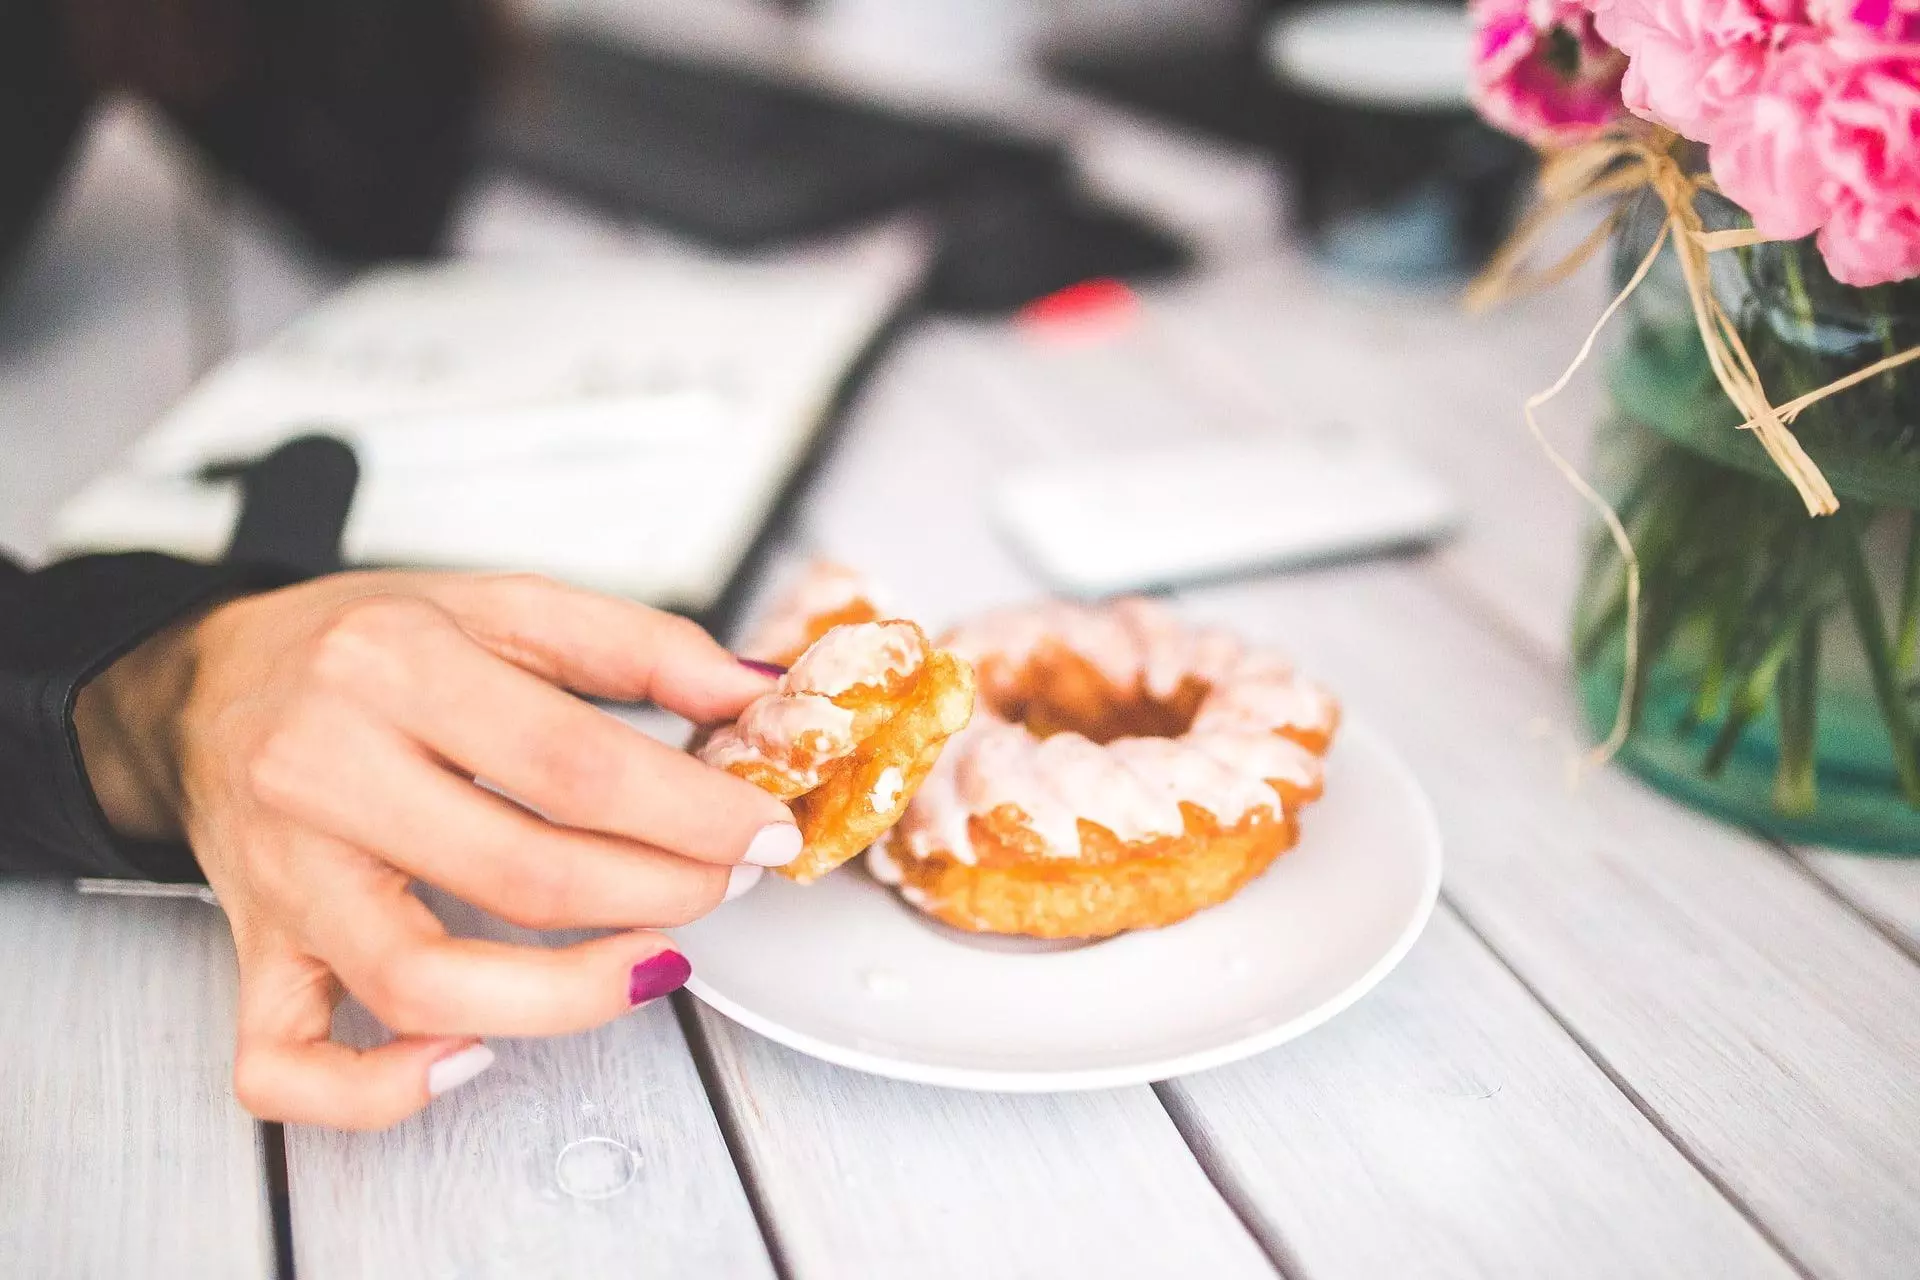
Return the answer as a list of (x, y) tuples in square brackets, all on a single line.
[(62, 630)]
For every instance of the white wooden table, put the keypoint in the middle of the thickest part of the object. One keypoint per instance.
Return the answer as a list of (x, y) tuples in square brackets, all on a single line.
[(1631, 1043)]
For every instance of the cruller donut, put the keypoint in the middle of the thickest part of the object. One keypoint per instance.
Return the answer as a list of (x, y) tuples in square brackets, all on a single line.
[(852, 727), (1123, 772)]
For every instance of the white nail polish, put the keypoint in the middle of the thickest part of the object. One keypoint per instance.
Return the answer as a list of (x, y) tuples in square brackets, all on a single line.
[(740, 879), (456, 1069), (775, 845)]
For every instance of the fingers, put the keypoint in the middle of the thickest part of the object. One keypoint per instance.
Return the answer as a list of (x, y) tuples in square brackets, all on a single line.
[(543, 746), (287, 1069), (394, 955), (382, 796), (602, 646)]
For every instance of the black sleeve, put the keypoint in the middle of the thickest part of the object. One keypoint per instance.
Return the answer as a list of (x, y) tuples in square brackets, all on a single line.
[(59, 628)]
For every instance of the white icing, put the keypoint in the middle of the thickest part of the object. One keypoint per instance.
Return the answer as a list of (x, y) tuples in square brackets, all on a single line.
[(886, 789), (882, 867), (860, 653), (938, 816), (798, 729), (1133, 787), (1165, 649), (792, 733), (1086, 780), (1266, 756), (1183, 769), (727, 748), (1266, 703)]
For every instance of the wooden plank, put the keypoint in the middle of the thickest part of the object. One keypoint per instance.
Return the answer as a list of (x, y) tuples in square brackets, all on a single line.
[(1447, 1127), (1887, 890), (586, 1155), (863, 1176), (122, 1152), (121, 1149), (1768, 1029)]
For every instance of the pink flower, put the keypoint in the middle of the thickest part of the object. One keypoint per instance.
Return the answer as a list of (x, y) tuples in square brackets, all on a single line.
[(1868, 143), (1890, 20), (1868, 133), (1868, 245), (1541, 71), (1810, 109), (1690, 59), (1762, 147), (1829, 141)]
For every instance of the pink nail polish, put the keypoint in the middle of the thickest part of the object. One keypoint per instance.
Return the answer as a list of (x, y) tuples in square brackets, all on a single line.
[(656, 976), (764, 668)]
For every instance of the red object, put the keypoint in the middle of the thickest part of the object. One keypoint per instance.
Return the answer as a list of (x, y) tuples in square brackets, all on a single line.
[(1103, 301)]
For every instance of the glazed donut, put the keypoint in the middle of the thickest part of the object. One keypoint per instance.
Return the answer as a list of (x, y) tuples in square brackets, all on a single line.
[(848, 734), (1123, 772)]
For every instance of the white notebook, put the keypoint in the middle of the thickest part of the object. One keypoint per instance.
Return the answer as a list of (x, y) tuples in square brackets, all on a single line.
[(624, 423)]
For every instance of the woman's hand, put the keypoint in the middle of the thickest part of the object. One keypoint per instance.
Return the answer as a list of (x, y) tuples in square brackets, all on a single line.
[(317, 746)]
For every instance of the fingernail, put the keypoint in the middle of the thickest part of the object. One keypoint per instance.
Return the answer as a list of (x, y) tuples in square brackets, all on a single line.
[(657, 976), (774, 845), (740, 879), (456, 1069), (764, 668)]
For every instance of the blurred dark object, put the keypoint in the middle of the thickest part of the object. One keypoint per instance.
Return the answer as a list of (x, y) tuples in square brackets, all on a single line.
[(726, 155), (1214, 83), (1380, 188), (743, 161), (294, 504), (1005, 244), (356, 118), (42, 106)]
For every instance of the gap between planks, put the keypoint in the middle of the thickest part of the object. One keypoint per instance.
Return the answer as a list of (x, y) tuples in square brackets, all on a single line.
[(1231, 1193), (1627, 1091), (706, 1065)]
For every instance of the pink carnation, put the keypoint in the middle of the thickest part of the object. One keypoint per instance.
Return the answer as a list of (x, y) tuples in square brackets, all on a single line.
[(1762, 148), (1895, 21), (1691, 59), (1810, 109), (1541, 71), (1827, 142), (1872, 244), (1868, 141)]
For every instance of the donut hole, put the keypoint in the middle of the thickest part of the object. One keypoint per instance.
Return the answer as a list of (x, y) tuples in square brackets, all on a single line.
[(1058, 691)]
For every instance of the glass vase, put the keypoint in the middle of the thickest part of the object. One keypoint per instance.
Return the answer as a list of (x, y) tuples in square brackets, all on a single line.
[(1777, 683)]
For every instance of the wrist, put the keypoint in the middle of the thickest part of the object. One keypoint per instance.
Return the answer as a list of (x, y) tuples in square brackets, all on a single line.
[(127, 720)]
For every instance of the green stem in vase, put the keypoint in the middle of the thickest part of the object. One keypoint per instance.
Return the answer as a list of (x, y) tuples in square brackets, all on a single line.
[(1904, 655), (1723, 629), (1873, 638), (1750, 698), (1794, 784), (1797, 287)]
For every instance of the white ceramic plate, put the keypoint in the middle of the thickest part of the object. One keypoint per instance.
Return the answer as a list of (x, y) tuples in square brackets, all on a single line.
[(843, 970)]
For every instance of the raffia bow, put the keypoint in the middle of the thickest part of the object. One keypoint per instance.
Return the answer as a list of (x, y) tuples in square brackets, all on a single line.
[(1619, 163)]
